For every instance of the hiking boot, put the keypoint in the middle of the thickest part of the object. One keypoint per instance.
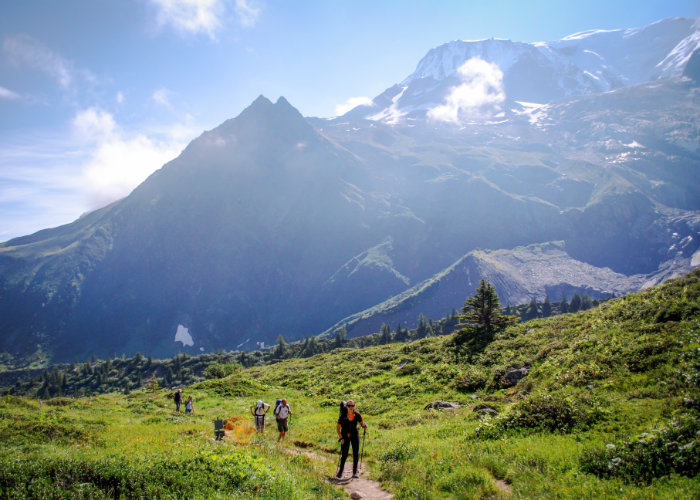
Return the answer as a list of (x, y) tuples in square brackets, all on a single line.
[(355, 475)]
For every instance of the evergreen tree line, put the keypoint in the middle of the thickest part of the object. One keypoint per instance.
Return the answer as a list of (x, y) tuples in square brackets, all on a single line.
[(127, 374), (534, 309)]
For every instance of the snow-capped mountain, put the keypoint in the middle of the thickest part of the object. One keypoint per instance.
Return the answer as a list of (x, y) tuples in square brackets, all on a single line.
[(675, 62), (445, 86)]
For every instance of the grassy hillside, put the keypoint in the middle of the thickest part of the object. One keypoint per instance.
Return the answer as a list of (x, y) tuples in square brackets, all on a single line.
[(608, 409)]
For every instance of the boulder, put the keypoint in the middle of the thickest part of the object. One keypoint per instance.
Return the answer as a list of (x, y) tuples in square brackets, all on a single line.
[(442, 405), (356, 495), (515, 376), (486, 410)]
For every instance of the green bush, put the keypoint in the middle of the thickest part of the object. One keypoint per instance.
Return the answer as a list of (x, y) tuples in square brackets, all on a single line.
[(221, 370), (53, 478), (36, 429), (471, 381), (545, 412), (658, 453)]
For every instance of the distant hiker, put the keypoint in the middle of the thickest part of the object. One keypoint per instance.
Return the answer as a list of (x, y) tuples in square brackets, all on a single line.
[(178, 400), (189, 406), (259, 410), (348, 434), (282, 412)]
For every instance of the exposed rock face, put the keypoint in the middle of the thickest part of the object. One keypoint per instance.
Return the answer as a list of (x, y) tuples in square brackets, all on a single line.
[(518, 275), (512, 377), (442, 405)]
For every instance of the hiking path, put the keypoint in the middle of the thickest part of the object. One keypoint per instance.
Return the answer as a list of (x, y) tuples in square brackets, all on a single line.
[(359, 488)]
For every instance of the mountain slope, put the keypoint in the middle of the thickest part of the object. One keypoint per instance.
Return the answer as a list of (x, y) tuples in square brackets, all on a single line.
[(519, 275)]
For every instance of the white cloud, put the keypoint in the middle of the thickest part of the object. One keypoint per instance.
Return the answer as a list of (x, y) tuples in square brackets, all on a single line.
[(191, 16), (478, 96), (8, 94), (119, 97), (162, 97), (247, 13), (23, 50), (119, 161), (341, 109)]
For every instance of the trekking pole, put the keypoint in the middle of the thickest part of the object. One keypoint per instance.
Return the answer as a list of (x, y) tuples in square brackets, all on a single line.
[(340, 459), (362, 455)]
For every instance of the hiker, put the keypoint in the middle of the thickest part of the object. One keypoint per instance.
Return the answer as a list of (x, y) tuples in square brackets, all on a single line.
[(281, 413), (259, 413), (189, 405), (178, 400), (349, 435)]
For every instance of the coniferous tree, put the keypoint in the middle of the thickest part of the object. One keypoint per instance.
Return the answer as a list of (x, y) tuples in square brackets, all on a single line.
[(546, 308), (575, 305), (385, 334), (430, 329), (281, 347), (140, 380), (149, 362), (422, 325), (338, 340), (343, 333), (401, 334), (563, 305), (586, 302), (481, 318), (532, 310), (313, 345)]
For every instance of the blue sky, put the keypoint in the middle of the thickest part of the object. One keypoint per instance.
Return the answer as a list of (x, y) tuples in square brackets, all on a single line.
[(97, 94)]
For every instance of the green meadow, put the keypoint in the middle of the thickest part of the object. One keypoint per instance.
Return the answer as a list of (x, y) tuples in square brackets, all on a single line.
[(609, 408)]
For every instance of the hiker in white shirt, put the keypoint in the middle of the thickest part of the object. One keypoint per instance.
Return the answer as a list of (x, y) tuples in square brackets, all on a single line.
[(259, 411), (282, 412)]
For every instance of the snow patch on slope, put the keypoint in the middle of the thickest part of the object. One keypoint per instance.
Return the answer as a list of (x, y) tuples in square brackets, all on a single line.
[(183, 335)]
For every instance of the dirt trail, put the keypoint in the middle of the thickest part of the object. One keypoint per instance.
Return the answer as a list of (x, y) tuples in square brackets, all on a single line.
[(359, 488)]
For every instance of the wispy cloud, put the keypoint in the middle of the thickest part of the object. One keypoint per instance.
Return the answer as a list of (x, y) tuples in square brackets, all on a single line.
[(162, 96), (341, 109), (204, 16), (117, 160), (478, 96), (49, 180), (191, 16), (247, 12), (23, 50), (8, 94)]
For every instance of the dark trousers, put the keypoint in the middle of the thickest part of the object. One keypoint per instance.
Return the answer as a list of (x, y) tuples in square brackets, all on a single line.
[(345, 448), (177, 406)]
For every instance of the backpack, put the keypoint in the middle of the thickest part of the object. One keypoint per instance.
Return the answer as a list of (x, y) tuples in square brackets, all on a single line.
[(277, 405), (343, 409)]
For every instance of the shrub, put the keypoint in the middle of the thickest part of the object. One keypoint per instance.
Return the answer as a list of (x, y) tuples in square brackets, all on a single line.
[(221, 370), (53, 478), (660, 452), (470, 381), (545, 412)]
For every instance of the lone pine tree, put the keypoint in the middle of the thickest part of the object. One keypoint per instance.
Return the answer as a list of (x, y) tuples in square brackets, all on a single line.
[(481, 319)]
